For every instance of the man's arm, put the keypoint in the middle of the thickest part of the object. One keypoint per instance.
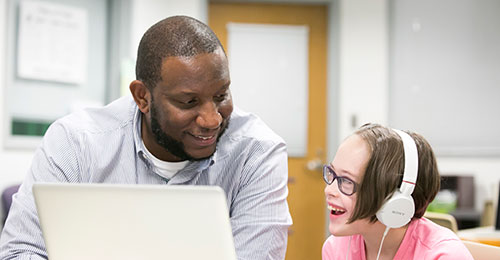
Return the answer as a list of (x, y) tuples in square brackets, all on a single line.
[(259, 213), (21, 236)]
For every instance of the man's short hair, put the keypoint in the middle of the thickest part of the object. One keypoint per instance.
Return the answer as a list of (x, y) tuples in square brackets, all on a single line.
[(176, 36), (384, 172)]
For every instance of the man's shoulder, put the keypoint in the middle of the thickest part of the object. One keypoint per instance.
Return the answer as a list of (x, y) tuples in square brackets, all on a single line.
[(115, 115)]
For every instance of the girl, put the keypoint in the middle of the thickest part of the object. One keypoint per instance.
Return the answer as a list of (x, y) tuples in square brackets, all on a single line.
[(372, 168)]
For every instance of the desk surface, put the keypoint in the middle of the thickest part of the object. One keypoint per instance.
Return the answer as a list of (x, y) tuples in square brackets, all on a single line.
[(485, 235)]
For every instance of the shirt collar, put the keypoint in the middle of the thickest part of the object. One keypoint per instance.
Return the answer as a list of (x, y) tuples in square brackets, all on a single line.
[(137, 131)]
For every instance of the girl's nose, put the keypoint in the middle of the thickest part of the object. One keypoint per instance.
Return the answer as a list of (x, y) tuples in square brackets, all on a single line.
[(332, 189)]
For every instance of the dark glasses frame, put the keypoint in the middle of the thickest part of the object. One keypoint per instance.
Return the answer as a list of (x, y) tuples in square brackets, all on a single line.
[(328, 171)]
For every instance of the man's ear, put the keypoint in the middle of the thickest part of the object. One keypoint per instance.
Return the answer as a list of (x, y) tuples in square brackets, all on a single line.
[(141, 94)]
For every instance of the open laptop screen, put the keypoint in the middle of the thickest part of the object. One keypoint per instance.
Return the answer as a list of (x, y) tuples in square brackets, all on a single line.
[(101, 221)]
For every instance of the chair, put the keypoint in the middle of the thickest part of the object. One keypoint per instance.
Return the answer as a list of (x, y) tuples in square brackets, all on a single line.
[(482, 251), (442, 219), (7, 199)]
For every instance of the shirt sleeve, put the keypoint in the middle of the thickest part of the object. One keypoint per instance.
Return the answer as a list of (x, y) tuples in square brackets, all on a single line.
[(54, 161), (259, 212)]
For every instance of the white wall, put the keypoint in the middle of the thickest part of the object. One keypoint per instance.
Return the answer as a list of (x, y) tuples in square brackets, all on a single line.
[(363, 64), (147, 12), (13, 163)]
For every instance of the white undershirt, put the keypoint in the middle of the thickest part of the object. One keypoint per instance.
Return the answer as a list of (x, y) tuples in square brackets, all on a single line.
[(165, 169)]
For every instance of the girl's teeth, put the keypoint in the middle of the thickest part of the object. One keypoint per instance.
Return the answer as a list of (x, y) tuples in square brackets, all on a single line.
[(330, 208)]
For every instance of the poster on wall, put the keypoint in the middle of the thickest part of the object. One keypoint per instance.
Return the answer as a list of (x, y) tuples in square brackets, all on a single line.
[(52, 42)]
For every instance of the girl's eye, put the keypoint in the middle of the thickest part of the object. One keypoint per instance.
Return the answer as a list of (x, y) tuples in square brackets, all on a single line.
[(347, 181)]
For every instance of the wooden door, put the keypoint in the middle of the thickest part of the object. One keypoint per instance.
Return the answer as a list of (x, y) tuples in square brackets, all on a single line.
[(306, 197)]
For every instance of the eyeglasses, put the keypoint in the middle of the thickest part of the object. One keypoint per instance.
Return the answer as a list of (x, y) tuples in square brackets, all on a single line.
[(346, 185)]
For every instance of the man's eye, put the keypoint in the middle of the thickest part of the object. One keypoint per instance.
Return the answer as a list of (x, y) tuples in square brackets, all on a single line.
[(221, 97), (188, 102)]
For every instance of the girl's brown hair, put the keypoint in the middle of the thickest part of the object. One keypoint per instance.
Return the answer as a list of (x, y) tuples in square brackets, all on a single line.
[(384, 172)]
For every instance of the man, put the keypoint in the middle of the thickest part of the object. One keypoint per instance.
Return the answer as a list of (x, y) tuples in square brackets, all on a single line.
[(179, 128)]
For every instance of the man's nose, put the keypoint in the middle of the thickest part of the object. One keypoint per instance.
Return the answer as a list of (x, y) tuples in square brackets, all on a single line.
[(209, 116)]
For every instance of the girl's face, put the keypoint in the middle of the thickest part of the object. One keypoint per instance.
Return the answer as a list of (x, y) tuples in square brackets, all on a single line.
[(350, 161)]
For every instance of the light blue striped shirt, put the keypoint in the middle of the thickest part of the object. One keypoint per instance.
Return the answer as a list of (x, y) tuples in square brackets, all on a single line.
[(103, 145)]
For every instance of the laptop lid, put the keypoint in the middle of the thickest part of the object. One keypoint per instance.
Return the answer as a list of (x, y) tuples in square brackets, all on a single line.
[(103, 221)]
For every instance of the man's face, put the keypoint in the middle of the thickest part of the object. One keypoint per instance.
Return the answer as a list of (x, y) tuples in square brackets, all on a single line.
[(190, 107)]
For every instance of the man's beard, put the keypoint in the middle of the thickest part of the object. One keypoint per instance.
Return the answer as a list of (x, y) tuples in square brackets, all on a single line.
[(173, 146)]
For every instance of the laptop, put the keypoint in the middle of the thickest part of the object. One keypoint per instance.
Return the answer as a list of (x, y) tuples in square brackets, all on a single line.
[(106, 221)]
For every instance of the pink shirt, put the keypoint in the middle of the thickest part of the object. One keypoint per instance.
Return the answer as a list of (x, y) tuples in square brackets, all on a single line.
[(423, 240)]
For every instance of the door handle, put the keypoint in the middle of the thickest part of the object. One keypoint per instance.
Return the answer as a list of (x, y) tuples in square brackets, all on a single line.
[(315, 164)]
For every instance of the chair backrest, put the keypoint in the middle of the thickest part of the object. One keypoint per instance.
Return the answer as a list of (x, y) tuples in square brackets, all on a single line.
[(442, 219), (482, 251), (7, 199)]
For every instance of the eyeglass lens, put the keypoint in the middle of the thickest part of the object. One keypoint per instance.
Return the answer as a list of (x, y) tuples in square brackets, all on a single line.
[(345, 185)]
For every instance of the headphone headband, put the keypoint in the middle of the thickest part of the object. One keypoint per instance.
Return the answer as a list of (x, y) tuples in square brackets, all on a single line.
[(399, 208), (411, 163)]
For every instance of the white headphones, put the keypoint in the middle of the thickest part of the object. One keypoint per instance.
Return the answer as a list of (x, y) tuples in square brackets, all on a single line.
[(399, 208)]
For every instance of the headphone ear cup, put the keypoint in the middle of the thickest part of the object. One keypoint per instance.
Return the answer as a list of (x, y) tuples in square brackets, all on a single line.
[(397, 211)]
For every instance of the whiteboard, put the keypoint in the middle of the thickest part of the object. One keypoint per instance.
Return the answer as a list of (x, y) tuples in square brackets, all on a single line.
[(445, 74), (269, 77)]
